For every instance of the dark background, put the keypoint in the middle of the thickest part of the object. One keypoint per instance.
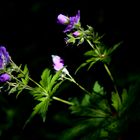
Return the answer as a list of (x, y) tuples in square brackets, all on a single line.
[(30, 33)]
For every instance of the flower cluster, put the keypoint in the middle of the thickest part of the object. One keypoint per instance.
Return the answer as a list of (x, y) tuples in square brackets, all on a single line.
[(69, 21)]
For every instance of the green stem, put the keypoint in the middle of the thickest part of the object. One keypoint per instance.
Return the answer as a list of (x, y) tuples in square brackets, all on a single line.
[(62, 100), (96, 49), (81, 87), (29, 77), (90, 44), (111, 77)]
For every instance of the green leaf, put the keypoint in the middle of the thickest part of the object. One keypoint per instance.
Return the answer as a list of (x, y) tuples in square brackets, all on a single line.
[(114, 47), (54, 79), (125, 101), (90, 62), (97, 88), (90, 28), (25, 71), (103, 105), (104, 133), (56, 87), (41, 108), (80, 41), (81, 66), (97, 38), (91, 53), (25, 80), (93, 62), (38, 93), (86, 100), (45, 78), (116, 101), (14, 89), (124, 96)]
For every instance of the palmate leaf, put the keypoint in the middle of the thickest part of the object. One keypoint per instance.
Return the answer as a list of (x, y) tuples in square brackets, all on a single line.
[(122, 102), (48, 85)]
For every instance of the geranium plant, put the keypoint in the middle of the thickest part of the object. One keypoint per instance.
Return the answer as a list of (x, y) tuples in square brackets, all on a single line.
[(102, 114)]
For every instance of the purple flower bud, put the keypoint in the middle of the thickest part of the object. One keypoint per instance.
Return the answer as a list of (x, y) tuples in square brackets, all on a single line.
[(4, 77), (62, 19), (76, 33), (4, 57)]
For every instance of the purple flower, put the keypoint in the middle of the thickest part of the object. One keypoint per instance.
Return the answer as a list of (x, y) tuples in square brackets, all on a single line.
[(4, 57), (4, 77), (58, 63), (69, 21), (76, 34)]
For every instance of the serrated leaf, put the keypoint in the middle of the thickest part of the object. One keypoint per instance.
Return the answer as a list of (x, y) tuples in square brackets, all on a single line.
[(45, 78), (125, 101), (85, 100), (13, 89), (56, 87), (97, 88), (54, 79), (25, 79), (116, 101), (98, 113), (41, 108), (103, 104)]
